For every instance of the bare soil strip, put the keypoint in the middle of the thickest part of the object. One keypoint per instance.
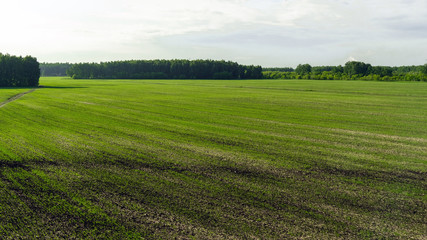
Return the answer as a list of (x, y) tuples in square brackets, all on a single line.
[(16, 97)]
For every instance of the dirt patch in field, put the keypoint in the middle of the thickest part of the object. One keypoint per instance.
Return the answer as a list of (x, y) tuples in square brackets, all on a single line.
[(16, 97)]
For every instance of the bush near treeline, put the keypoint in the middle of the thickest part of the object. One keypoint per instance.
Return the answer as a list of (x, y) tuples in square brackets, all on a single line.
[(164, 69), (351, 71), (19, 71)]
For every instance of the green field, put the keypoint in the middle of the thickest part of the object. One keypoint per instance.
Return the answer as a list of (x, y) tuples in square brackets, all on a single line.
[(204, 159)]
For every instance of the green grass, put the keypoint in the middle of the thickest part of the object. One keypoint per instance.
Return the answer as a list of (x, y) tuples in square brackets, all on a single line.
[(258, 159), (6, 93)]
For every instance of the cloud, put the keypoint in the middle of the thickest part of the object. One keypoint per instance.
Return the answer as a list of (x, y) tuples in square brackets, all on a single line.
[(270, 32)]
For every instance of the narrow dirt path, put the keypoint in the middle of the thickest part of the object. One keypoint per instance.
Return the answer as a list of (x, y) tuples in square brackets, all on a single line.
[(17, 96)]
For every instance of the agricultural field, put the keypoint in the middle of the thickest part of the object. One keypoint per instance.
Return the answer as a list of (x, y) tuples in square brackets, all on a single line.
[(205, 159)]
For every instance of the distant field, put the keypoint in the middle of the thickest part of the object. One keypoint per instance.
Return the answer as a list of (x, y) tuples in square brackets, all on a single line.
[(253, 159)]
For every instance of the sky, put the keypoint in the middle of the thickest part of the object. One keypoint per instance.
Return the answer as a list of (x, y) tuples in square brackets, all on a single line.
[(270, 33)]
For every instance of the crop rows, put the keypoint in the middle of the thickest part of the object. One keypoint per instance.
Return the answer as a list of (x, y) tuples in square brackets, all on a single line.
[(259, 159)]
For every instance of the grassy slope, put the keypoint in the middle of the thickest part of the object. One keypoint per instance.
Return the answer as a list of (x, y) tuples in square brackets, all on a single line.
[(214, 159)]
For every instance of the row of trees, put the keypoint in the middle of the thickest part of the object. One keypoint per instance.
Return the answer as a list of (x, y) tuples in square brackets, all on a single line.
[(209, 69), (164, 69), (54, 69), (352, 70), (278, 69), (19, 71)]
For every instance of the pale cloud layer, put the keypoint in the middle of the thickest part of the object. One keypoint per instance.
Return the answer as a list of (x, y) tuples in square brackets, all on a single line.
[(268, 32)]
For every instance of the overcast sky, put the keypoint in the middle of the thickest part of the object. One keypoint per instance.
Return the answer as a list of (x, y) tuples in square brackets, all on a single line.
[(274, 33)]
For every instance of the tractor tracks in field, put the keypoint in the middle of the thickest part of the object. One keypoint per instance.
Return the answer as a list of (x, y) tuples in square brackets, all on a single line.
[(16, 97)]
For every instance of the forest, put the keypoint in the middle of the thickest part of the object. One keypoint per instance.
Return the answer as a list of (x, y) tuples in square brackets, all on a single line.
[(18, 71), (54, 69), (164, 69), (209, 69), (352, 70)]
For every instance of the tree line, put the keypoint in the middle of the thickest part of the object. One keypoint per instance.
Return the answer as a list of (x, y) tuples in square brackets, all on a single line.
[(54, 69), (209, 69), (278, 69), (352, 70), (164, 69), (19, 71)]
